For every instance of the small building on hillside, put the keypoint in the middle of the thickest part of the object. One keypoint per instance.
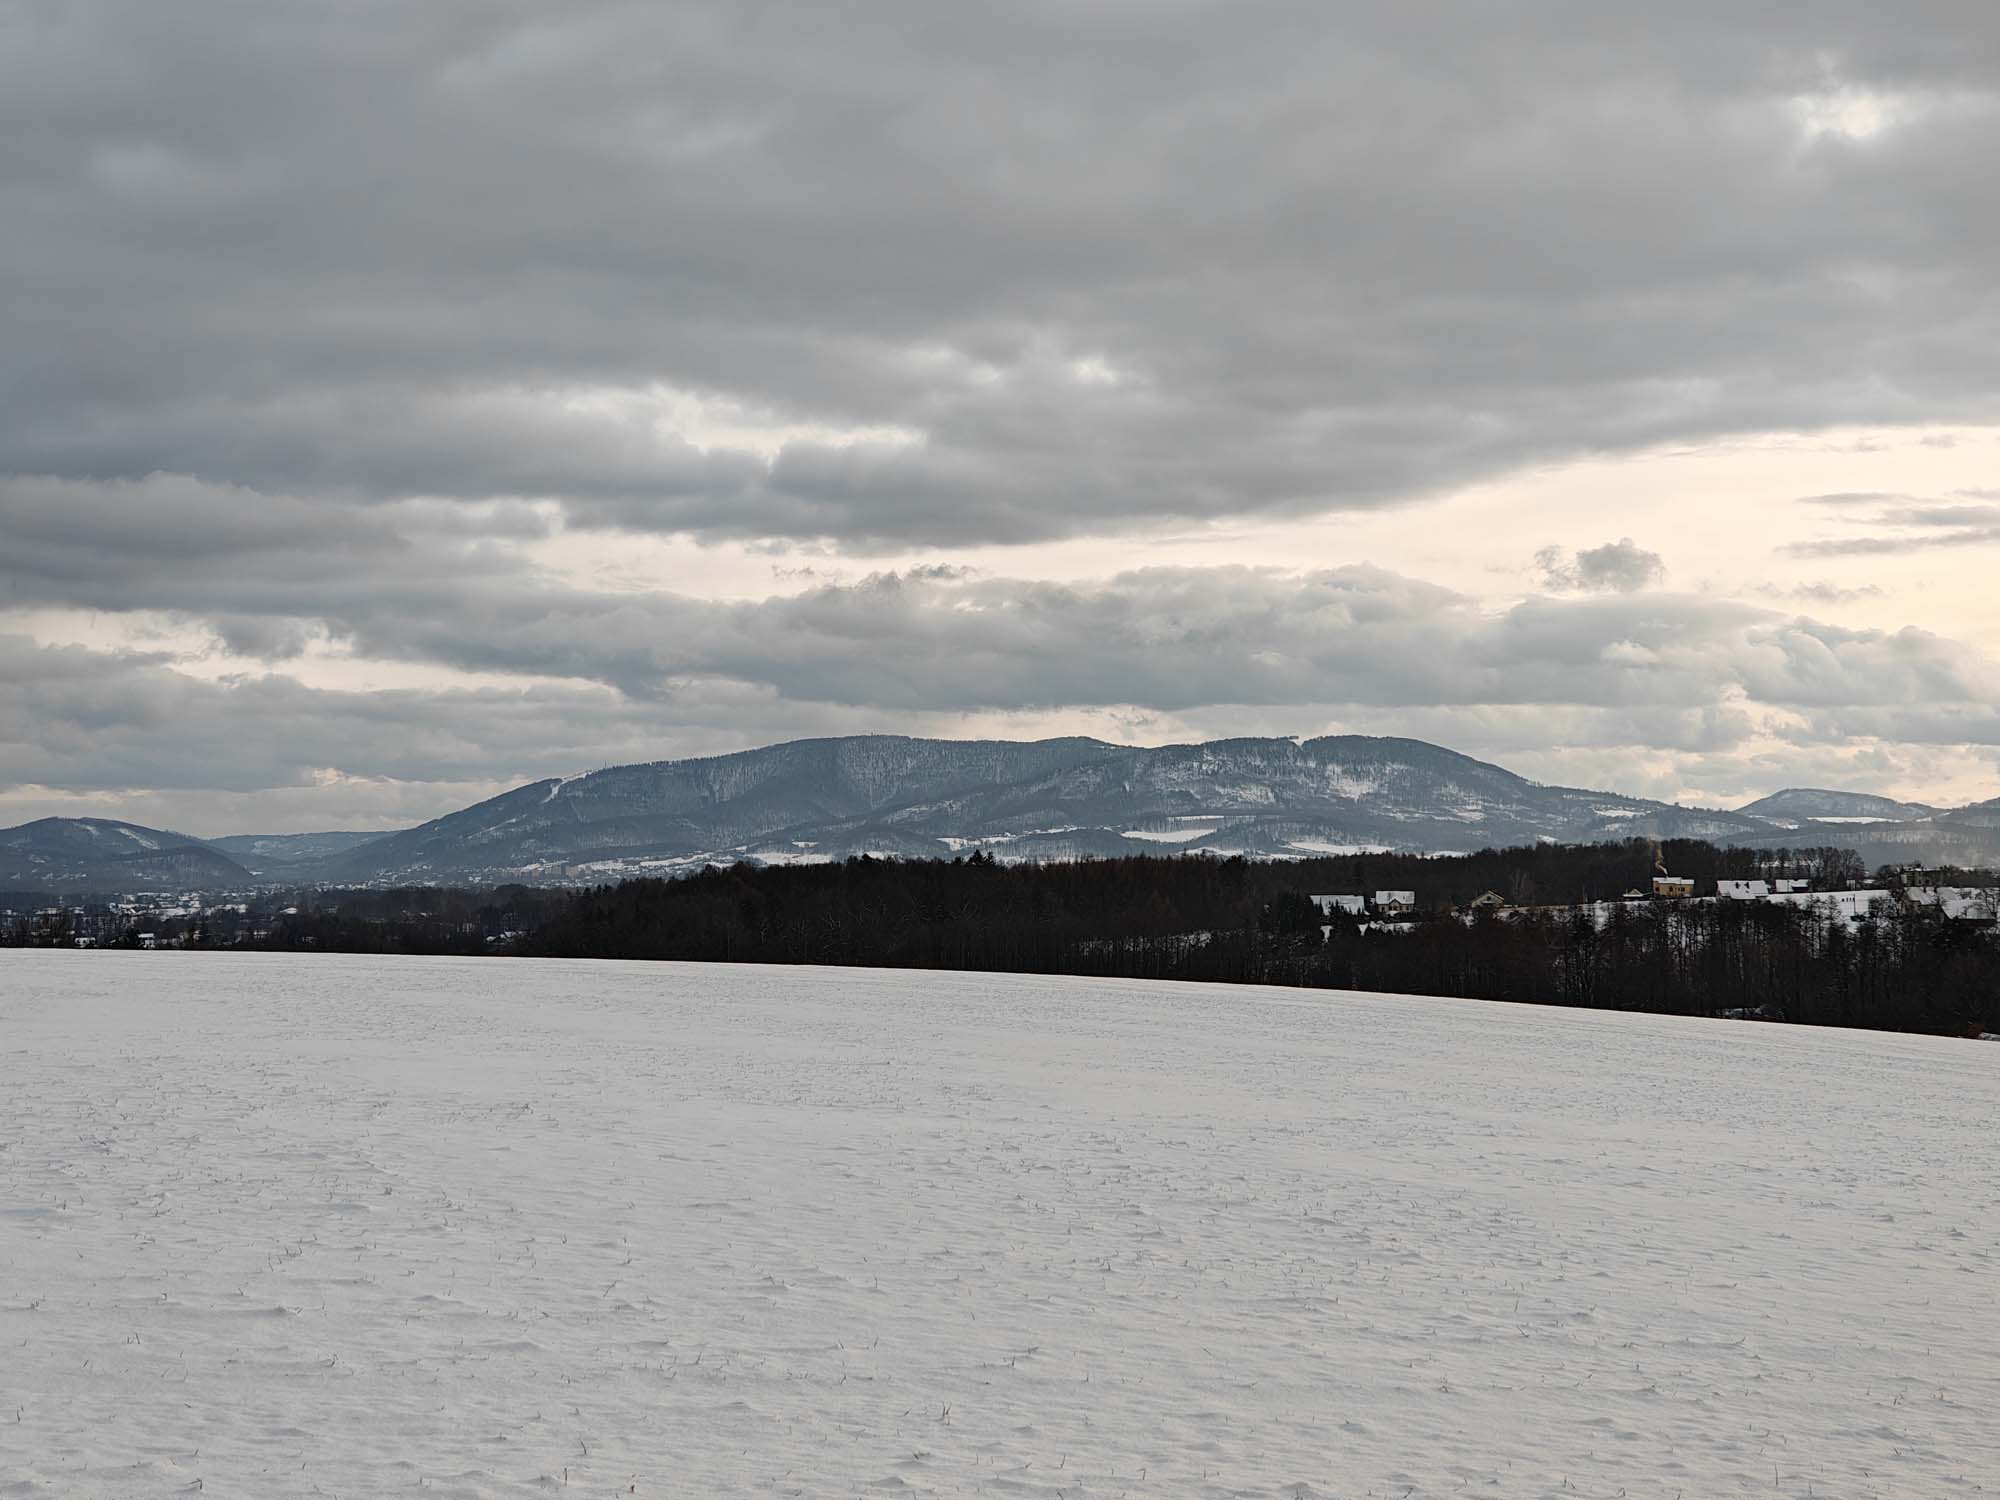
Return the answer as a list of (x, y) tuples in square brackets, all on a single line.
[(1855, 906), (1789, 887), (1960, 903), (1743, 890), (1354, 906), (1487, 901), (1395, 901), (1673, 887)]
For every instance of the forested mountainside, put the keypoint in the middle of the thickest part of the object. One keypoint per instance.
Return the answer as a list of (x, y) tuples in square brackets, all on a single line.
[(102, 853), (1053, 799), (810, 801)]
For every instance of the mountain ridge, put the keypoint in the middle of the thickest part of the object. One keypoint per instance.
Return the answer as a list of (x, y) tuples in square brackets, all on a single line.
[(1826, 804), (1043, 799), (107, 852), (1059, 798)]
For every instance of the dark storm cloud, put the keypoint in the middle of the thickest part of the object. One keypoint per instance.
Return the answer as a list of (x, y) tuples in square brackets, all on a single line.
[(1063, 268)]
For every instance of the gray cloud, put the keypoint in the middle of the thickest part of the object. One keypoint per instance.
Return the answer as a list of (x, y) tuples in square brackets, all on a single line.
[(1223, 260), (1929, 524), (640, 676), (1596, 692), (400, 583), (1944, 515), (135, 735), (1885, 546), (1821, 591), (317, 325), (1621, 567)]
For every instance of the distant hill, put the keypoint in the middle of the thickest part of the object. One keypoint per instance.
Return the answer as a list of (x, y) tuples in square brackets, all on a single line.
[(271, 853), (1978, 815), (102, 854), (1047, 799), (712, 805), (1796, 806), (1882, 830), (812, 800)]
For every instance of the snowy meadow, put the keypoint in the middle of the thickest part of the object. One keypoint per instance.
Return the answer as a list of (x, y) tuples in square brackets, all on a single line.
[(276, 1225)]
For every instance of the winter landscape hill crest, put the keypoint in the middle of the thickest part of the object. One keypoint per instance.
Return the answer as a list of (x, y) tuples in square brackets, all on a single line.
[(106, 853), (806, 800)]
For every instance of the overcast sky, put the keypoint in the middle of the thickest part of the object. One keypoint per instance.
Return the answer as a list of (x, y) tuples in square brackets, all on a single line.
[(402, 401)]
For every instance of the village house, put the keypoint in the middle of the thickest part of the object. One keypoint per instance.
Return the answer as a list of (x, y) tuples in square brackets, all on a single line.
[(1961, 903), (1759, 890), (1743, 890)]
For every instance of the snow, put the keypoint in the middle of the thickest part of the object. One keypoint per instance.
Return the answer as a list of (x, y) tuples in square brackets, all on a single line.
[(1961, 902), (1173, 835), (279, 1226), (1353, 785), (1743, 890), (986, 840), (1848, 904), (792, 856)]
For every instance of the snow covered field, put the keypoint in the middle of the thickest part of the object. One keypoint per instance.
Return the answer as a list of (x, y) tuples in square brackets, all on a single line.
[(275, 1226)]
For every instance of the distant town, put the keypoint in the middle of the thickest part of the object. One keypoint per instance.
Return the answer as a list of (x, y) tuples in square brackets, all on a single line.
[(498, 918), (1899, 890), (215, 919)]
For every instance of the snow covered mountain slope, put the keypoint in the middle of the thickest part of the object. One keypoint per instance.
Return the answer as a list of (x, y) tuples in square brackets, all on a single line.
[(1069, 798), (1797, 806), (1882, 830), (270, 853), (714, 805), (817, 799), (104, 854)]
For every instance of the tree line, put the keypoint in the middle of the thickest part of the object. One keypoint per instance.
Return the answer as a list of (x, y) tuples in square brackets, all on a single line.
[(1237, 920), (1231, 920)]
